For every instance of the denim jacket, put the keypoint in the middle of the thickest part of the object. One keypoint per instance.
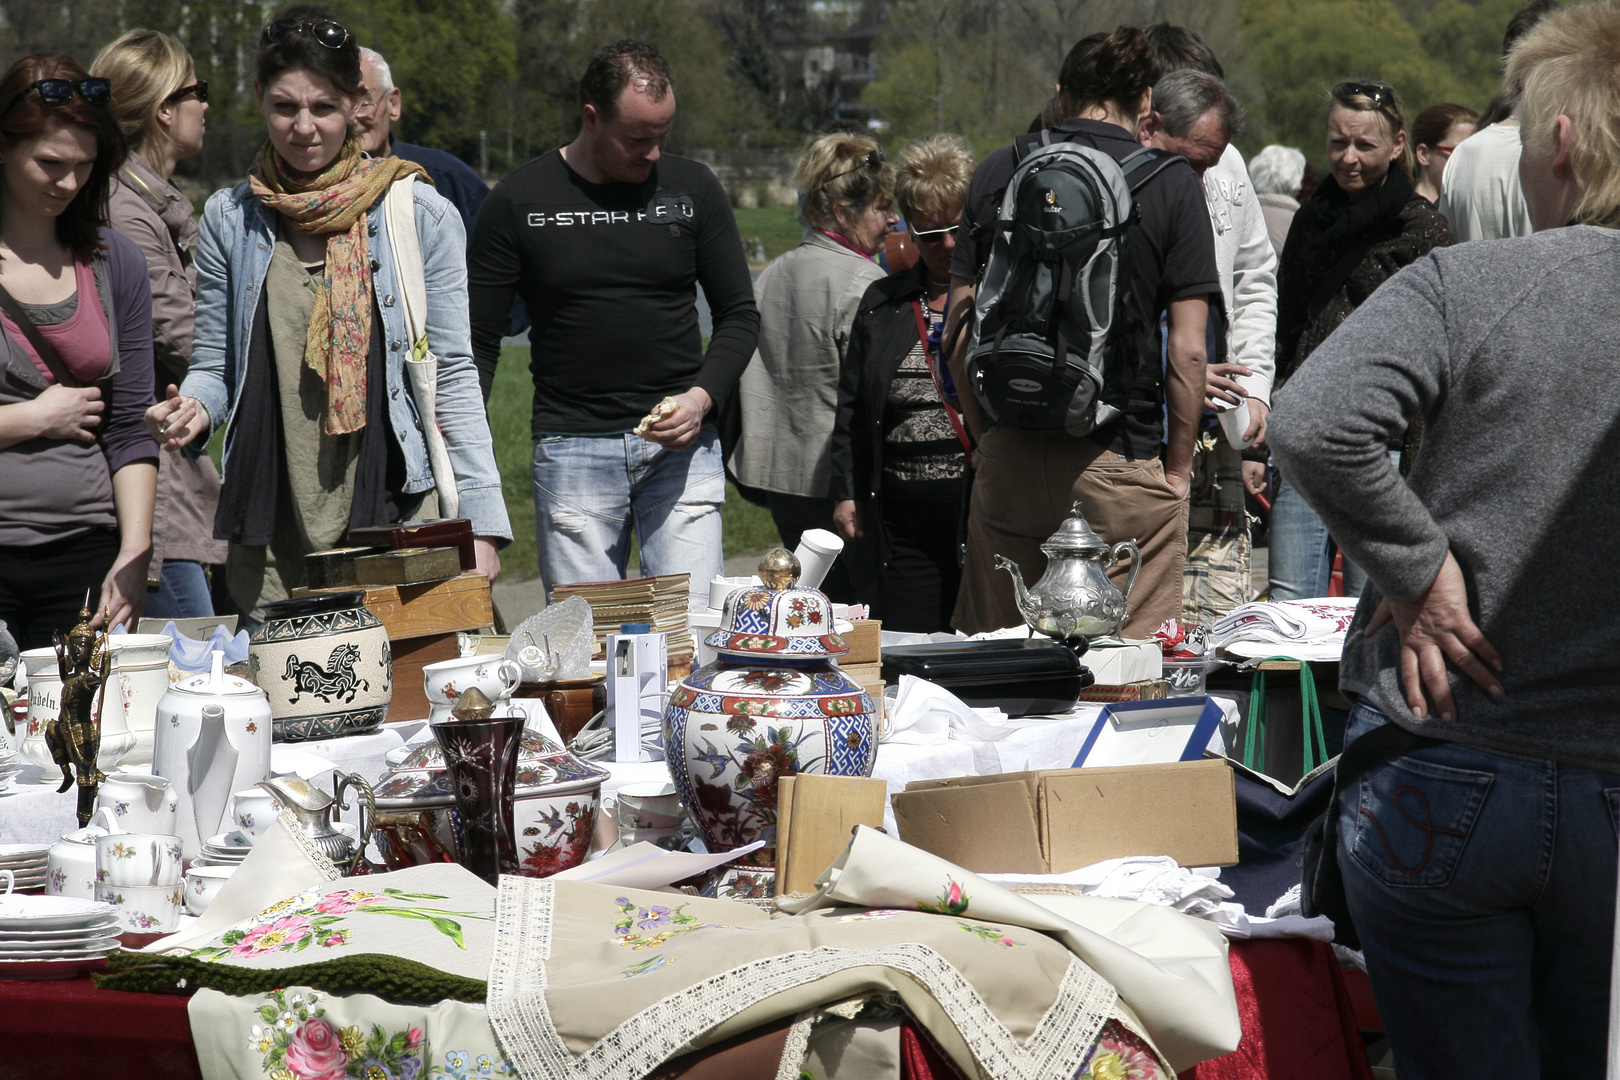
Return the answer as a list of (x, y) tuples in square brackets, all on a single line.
[(238, 236)]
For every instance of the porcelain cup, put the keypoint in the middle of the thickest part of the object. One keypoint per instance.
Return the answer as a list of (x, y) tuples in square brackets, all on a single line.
[(130, 859), (203, 884), (649, 806), (252, 811), (447, 680), (144, 909)]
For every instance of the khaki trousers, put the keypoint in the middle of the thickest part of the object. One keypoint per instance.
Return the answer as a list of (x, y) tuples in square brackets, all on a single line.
[(1026, 484)]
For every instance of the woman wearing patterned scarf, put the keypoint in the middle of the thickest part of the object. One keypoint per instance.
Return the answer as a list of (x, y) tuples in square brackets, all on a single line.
[(301, 343)]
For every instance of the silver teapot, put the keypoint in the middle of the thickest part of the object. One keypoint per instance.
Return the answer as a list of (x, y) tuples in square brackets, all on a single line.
[(1074, 598), (315, 810)]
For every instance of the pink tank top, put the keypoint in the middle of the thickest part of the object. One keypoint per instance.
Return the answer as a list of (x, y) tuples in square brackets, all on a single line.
[(83, 341)]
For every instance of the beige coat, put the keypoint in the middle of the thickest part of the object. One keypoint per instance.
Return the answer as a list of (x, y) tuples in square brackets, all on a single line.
[(788, 396), (158, 218)]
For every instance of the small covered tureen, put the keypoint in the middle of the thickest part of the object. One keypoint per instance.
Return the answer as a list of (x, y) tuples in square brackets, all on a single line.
[(1074, 598), (772, 705), (553, 816)]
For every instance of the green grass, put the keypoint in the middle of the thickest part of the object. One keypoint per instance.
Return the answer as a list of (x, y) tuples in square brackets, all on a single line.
[(748, 528), (775, 225)]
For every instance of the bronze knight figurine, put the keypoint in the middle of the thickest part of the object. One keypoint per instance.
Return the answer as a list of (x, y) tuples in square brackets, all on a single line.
[(74, 738)]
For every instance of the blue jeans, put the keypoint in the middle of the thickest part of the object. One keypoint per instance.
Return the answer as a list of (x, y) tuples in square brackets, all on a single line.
[(1483, 887), (183, 594), (1301, 557), (591, 491)]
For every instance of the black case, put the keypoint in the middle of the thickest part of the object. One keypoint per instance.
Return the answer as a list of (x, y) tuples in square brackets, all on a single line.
[(1021, 677)]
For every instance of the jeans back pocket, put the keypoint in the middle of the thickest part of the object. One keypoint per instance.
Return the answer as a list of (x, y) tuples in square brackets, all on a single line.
[(1413, 819)]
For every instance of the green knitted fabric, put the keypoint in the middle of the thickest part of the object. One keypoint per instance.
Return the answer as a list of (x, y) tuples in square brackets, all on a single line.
[(391, 978)]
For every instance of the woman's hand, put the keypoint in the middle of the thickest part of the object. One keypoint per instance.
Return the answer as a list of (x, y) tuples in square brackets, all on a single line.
[(123, 592), (847, 516), (175, 421), (488, 560), (1434, 629), (69, 413)]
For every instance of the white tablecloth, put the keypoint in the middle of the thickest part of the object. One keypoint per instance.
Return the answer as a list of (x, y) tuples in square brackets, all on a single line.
[(33, 813)]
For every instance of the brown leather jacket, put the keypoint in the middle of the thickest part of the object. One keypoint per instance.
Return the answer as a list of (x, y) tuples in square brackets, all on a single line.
[(158, 218)]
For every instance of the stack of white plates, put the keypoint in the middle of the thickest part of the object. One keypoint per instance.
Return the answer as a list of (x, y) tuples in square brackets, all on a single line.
[(27, 862), (226, 849), (54, 937)]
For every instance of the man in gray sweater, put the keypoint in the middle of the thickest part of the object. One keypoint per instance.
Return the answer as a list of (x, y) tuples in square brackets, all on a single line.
[(1480, 870)]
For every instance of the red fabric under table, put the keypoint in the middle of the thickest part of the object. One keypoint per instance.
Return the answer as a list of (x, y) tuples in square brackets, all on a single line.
[(1299, 1020), (70, 1029)]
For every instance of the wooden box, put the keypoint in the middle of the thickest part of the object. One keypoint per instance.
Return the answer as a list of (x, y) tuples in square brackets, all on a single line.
[(410, 657), (441, 532), (407, 566), (865, 643), (440, 607)]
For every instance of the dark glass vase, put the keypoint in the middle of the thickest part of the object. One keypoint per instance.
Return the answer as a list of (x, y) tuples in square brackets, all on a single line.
[(482, 757)]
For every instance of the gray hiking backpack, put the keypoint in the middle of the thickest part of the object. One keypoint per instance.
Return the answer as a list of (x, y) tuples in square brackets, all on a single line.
[(1055, 347)]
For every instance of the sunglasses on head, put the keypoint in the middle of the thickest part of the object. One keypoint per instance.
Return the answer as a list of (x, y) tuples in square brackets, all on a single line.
[(326, 32), (199, 88), (1381, 95), (872, 162), (58, 92)]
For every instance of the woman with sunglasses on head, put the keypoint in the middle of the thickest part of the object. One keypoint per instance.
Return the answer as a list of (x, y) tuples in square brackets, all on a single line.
[(788, 396), (75, 362), (161, 105), (301, 345), (899, 468), (1363, 222)]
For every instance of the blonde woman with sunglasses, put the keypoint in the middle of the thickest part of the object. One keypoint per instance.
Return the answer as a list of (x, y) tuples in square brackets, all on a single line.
[(161, 107), (1363, 223)]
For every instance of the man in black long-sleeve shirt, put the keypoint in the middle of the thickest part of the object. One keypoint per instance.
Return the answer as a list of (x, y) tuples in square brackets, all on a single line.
[(605, 241)]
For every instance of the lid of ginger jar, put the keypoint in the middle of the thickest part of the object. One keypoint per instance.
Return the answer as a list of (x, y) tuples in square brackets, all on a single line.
[(777, 621)]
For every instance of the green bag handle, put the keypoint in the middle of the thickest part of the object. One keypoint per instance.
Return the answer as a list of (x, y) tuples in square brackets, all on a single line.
[(1254, 738)]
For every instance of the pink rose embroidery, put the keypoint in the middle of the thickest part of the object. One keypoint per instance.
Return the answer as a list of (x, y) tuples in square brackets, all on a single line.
[(345, 901), (284, 933), (316, 1052), (413, 1038)]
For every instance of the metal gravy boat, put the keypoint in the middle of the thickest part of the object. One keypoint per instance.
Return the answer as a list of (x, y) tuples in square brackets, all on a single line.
[(1074, 598), (314, 809)]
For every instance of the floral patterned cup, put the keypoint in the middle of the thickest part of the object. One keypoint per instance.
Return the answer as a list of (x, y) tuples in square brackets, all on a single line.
[(203, 884), (144, 909), (138, 859), (447, 680), (252, 811)]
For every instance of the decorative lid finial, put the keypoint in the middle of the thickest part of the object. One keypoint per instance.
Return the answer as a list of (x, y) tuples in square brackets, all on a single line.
[(779, 569), (473, 704)]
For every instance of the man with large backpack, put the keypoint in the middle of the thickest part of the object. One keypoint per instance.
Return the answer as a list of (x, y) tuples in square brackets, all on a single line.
[(1059, 373)]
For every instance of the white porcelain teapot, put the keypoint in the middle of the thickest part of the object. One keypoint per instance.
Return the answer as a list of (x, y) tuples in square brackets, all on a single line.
[(211, 737)]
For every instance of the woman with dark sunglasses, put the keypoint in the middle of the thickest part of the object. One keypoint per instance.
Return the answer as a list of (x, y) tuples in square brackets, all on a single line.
[(161, 107), (301, 346), (788, 395), (899, 454), (75, 362), (1364, 222)]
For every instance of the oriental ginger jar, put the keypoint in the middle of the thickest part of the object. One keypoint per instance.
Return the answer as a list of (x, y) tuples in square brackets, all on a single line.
[(773, 704)]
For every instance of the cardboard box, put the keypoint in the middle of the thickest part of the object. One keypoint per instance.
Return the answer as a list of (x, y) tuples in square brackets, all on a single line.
[(1117, 665), (815, 816), (1056, 820), (865, 642)]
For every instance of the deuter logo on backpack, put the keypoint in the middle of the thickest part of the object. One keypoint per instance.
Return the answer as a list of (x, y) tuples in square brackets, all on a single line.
[(1049, 342)]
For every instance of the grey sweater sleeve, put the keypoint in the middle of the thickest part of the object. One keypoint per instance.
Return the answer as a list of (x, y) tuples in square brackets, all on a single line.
[(1336, 419)]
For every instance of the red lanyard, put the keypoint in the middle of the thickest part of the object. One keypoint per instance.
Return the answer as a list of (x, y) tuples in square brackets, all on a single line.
[(933, 363)]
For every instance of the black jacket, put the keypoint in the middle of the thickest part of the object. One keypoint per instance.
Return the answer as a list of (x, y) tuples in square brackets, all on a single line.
[(885, 331)]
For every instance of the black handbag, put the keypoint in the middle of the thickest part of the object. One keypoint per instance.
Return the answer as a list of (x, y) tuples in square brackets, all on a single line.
[(1322, 885)]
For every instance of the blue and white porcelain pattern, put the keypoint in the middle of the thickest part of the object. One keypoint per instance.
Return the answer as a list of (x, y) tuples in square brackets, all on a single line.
[(772, 705)]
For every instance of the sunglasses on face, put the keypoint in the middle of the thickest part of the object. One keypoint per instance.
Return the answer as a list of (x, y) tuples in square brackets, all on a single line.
[(324, 31), (872, 163), (199, 88), (1381, 95), (56, 92), (934, 236)]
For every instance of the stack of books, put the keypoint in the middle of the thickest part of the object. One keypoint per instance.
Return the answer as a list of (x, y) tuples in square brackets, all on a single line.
[(659, 602)]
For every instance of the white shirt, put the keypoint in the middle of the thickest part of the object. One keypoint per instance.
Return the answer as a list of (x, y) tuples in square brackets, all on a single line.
[(1247, 265), (1479, 191)]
